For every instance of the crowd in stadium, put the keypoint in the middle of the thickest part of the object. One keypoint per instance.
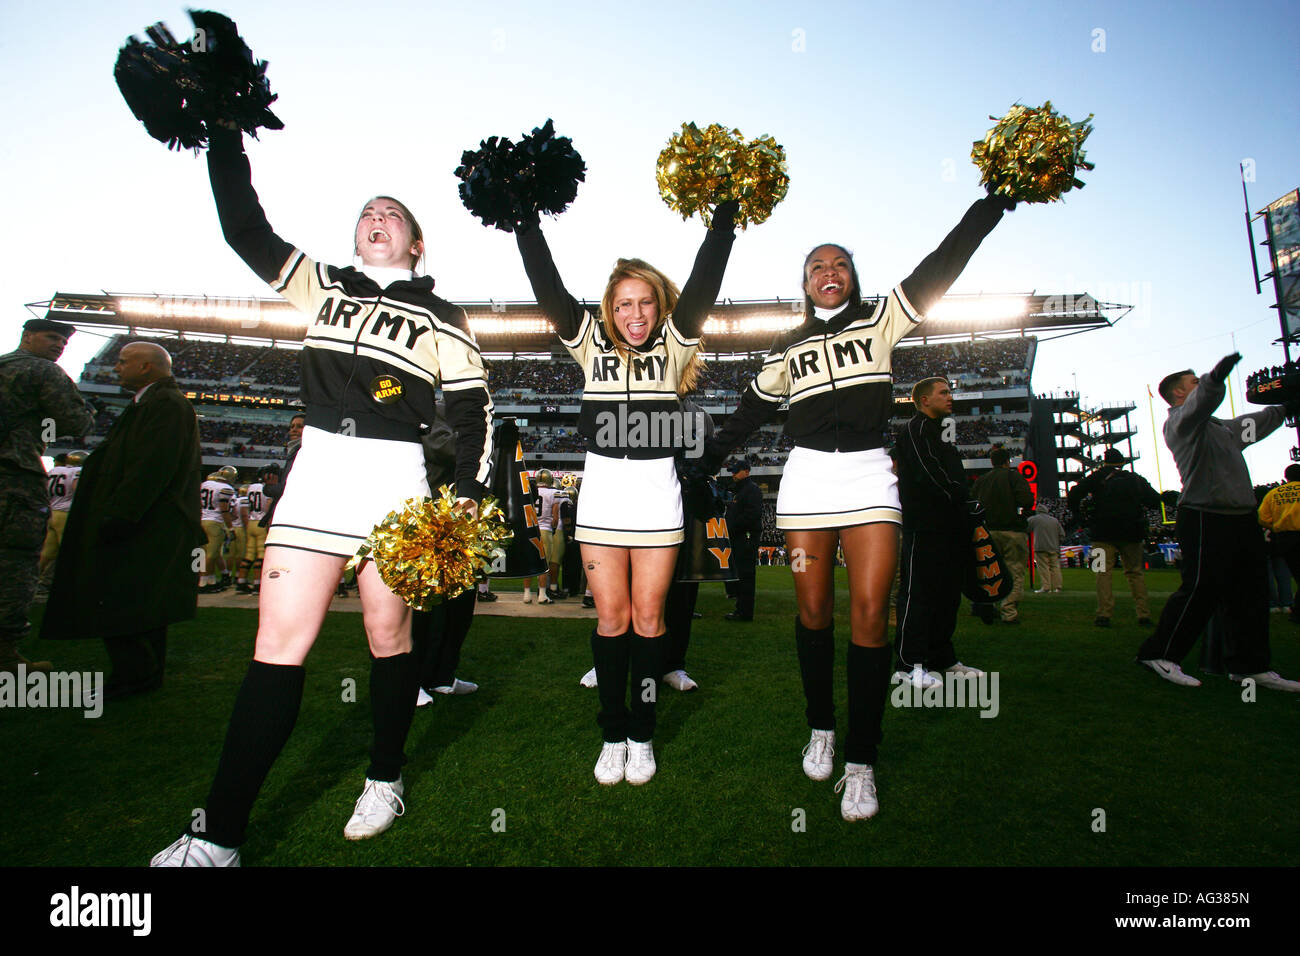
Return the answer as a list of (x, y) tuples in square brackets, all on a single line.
[(275, 370)]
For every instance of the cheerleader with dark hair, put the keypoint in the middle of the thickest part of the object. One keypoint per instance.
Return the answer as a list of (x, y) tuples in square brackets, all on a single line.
[(379, 344), (837, 489), (638, 355)]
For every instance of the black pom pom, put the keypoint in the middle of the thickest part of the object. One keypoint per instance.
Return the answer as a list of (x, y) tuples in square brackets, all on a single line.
[(179, 89), (506, 184)]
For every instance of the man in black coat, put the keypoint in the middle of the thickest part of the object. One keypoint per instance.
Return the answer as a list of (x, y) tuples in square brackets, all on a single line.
[(126, 569), (936, 553), (1117, 527), (745, 524)]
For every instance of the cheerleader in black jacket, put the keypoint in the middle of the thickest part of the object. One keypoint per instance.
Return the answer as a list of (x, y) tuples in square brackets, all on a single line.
[(638, 355), (378, 345), (837, 486)]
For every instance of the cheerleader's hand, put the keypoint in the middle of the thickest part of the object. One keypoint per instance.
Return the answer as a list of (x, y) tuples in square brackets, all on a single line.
[(724, 216), (467, 506)]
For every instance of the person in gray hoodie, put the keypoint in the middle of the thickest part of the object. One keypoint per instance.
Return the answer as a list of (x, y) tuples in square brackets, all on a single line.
[(1223, 550)]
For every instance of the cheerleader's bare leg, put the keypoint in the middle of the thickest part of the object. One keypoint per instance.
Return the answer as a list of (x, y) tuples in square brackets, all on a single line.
[(609, 573), (871, 553), (296, 590), (630, 586), (394, 673), (812, 562)]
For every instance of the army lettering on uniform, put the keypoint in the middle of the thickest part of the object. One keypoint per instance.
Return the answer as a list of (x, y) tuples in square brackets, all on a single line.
[(397, 323), (648, 366), (604, 368), (332, 315), (849, 349), (802, 364)]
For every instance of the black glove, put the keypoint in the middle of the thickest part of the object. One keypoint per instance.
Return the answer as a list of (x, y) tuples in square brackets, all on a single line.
[(724, 217), (1219, 374), (975, 511), (112, 530), (1292, 408), (1000, 199)]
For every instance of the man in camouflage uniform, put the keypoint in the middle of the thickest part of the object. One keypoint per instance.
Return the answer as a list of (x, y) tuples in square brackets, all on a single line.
[(37, 401)]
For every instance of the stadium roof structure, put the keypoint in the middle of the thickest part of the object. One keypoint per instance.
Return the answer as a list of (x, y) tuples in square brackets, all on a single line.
[(520, 328)]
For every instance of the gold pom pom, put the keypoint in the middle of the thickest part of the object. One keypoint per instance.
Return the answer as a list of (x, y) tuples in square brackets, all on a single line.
[(430, 550), (1032, 154), (700, 168)]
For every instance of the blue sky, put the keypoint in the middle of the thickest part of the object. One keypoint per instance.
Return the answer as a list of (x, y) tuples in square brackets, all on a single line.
[(876, 104)]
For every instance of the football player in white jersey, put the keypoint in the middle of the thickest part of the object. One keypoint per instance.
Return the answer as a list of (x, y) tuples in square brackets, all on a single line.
[(216, 498), (259, 502), (62, 481), (235, 558)]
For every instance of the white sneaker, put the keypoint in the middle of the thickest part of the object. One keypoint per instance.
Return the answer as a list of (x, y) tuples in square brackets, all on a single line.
[(457, 686), (543, 598), (1171, 672), (640, 762), (819, 755), (589, 678), (612, 763), (964, 669), (423, 698), (1270, 679), (377, 807), (680, 680), (859, 785), (918, 677), (528, 596), (189, 850)]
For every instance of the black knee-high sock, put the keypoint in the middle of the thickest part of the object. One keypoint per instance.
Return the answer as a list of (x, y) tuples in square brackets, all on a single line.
[(265, 711), (817, 669), (611, 657), (646, 667), (394, 685), (869, 671)]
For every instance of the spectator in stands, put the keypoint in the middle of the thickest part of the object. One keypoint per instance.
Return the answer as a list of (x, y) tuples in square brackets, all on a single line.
[(1117, 526)]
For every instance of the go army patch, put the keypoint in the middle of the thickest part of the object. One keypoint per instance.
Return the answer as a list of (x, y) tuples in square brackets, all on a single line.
[(386, 389)]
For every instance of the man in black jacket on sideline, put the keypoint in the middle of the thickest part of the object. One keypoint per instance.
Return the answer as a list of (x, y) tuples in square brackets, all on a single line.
[(936, 551), (745, 524), (1118, 526)]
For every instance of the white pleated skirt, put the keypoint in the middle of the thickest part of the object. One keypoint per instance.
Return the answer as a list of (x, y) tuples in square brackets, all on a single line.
[(341, 487), (628, 503), (835, 489)]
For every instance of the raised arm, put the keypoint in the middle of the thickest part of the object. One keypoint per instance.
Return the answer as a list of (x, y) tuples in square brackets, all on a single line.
[(1206, 396), (759, 404), (562, 309), (701, 289), (243, 222), (940, 269)]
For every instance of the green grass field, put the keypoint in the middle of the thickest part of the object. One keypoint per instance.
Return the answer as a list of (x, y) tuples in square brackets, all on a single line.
[(1184, 776)]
